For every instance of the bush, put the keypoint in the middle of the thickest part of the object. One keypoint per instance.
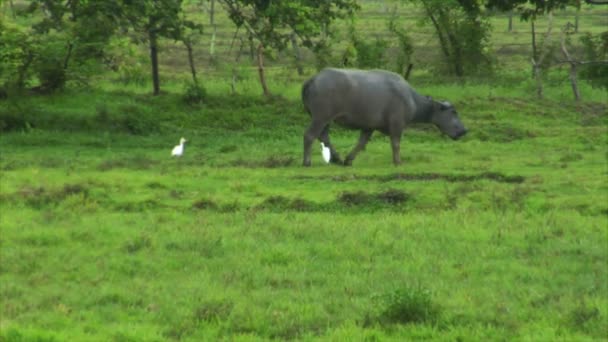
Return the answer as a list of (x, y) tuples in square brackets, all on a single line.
[(369, 53), (596, 49), (194, 94), (405, 47), (12, 121), (136, 122), (407, 305), (16, 116), (15, 57), (51, 74)]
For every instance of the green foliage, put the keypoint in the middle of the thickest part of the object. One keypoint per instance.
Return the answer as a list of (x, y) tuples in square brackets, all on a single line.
[(528, 9), (16, 54), (26, 335), (323, 55), (122, 56), (194, 94), (365, 53), (596, 50), (405, 45), (463, 32), (410, 304), (49, 65), (272, 22)]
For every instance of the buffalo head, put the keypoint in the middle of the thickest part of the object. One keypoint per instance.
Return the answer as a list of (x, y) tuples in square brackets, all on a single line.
[(445, 117)]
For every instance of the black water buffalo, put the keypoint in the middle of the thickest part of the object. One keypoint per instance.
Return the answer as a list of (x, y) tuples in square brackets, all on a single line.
[(369, 101)]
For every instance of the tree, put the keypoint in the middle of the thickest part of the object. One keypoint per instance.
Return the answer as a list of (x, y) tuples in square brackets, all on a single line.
[(529, 10), (276, 24), (154, 19), (62, 42), (463, 32), (595, 68)]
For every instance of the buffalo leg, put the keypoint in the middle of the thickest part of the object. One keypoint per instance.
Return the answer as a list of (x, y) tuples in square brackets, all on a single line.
[(395, 141), (335, 157), (310, 135), (363, 139)]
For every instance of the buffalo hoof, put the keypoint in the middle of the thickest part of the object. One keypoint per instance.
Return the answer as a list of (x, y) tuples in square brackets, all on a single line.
[(306, 164), (348, 162)]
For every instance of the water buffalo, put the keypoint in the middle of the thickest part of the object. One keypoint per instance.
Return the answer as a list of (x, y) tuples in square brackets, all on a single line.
[(369, 101)]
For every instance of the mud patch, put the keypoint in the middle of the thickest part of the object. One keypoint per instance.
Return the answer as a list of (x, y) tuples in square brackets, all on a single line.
[(423, 177), (503, 133), (282, 203), (204, 204), (135, 163), (155, 185), (39, 197), (270, 162), (138, 206), (208, 204), (228, 148), (362, 198)]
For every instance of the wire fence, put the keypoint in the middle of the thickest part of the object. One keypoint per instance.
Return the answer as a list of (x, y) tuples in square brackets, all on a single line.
[(511, 43)]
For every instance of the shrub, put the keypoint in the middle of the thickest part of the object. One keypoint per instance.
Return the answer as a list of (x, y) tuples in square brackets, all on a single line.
[(405, 47), (596, 49), (194, 94), (407, 305), (13, 121), (369, 53), (16, 56), (137, 122)]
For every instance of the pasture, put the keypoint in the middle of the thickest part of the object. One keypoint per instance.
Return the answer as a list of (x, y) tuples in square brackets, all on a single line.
[(499, 236)]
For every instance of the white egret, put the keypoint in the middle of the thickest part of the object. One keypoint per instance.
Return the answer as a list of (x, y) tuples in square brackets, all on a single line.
[(326, 153), (179, 149)]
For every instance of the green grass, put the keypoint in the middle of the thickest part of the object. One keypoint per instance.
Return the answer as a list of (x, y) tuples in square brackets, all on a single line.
[(500, 236)]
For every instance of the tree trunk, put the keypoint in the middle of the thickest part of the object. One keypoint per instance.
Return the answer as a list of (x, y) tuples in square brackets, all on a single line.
[(251, 47), (234, 66), (68, 55), (534, 52), (576, 17), (573, 82), (22, 70), (443, 44), (214, 30), (538, 78), (188, 44), (572, 76), (448, 42), (539, 54), (154, 61), (12, 7), (510, 22), (261, 70), (297, 54), (408, 71), (457, 54)]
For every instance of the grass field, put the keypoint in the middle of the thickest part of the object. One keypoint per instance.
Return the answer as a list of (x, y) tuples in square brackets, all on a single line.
[(500, 236)]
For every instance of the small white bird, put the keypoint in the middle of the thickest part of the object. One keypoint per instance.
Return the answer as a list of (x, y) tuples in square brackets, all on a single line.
[(179, 149), (326, 153)]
